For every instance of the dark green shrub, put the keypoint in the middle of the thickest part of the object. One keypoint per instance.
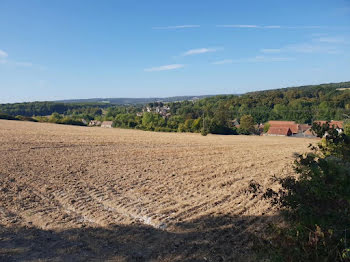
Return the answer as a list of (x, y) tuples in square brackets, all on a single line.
[(204, 132), (316, 203), (243, 131), (26, 118), (347, 128), (163, 129), (70, 121), (7, 117)]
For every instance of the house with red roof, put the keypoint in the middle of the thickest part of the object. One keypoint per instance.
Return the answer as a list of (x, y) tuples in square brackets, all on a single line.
[(294, 127), (279, 131), (335, 124)]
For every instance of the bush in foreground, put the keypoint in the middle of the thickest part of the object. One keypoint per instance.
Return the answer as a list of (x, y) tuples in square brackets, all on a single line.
[(315, 203)]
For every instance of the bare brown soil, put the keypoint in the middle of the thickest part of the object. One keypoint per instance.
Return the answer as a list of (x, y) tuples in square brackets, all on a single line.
[(77, 193)]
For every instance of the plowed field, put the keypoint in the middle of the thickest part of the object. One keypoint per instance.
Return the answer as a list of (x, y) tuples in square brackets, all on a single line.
[(77, 193)]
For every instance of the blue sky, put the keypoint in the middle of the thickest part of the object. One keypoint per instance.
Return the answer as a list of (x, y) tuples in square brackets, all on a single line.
[(62, 49)]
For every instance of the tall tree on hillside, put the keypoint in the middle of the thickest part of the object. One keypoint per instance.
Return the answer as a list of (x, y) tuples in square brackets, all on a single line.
[(247, 124)]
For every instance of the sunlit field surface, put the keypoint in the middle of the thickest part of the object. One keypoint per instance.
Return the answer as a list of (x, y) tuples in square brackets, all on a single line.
[(78, 193)]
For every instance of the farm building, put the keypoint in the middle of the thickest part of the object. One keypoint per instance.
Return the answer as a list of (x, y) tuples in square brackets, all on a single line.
[(336, 124), (107, 124), (279, 131), (94, 123), (234, 123), (298, 130), (294, 128), (309, 133), (304, 127), (259, 128)]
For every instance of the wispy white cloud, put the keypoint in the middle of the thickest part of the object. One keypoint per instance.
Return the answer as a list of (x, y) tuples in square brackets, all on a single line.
[(199, 51), (222, 62), (318, 34), (311, 48), (321, 44), (175, 27), (256, 59), (23, 64), (164, 68), (239, 26), (332, 40), (13, 63), (272, 26), (259, 59), (273, 59), (306, 27), (3, 54), (270, 50)]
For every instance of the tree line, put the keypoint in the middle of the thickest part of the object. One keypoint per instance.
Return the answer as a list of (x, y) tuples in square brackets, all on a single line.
[(214, 114)]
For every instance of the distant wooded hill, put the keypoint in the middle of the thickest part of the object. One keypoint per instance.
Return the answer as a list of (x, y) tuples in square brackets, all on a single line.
[(134, 101), (301, 104)]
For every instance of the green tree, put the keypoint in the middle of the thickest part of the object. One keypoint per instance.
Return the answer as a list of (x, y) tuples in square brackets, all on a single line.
[(247, 124), (174, 121), (347, 128), (55, 117), (324, 111), (266, 127), (188, 125), (125, 120), (197, 124), (150, 121), (181, 128)]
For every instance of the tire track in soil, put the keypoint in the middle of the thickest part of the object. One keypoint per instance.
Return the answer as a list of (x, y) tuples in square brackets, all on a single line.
[(61, 177)]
